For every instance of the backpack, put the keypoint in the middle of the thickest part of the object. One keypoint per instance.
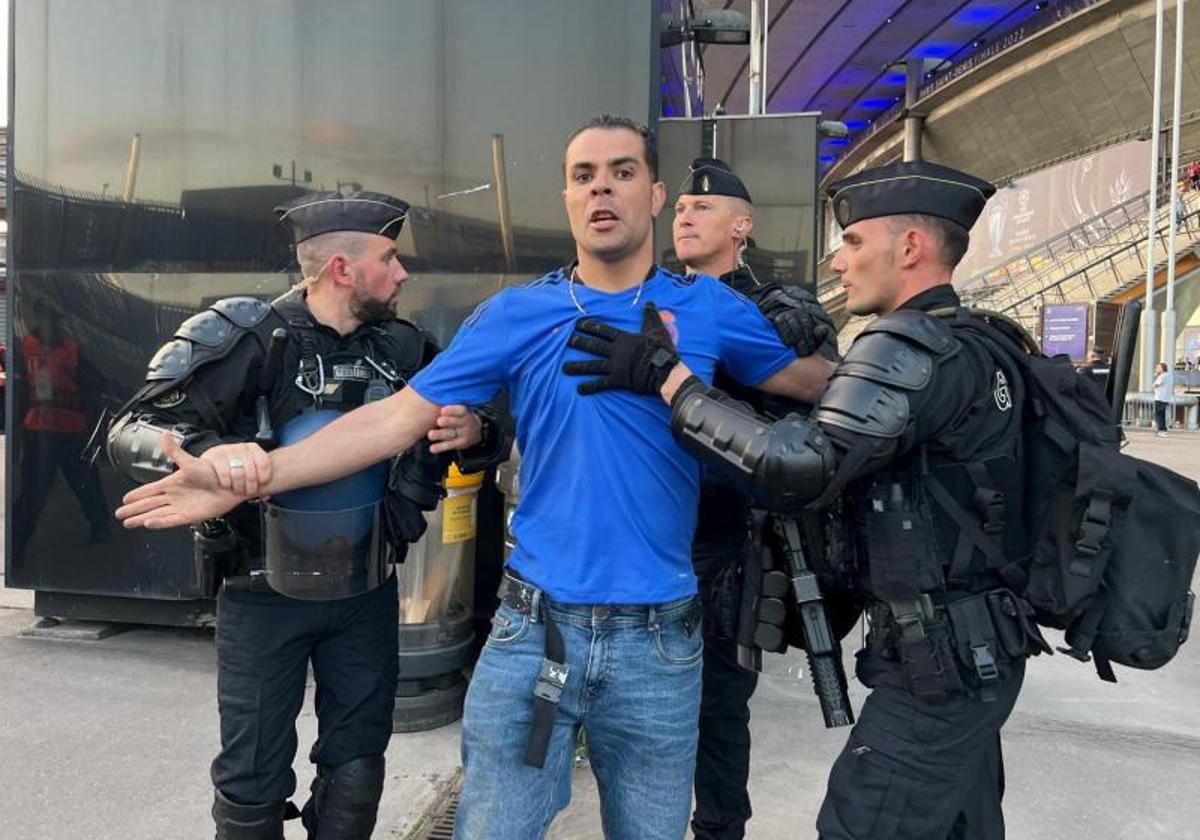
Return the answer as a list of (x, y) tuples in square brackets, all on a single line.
[(1113, 539)]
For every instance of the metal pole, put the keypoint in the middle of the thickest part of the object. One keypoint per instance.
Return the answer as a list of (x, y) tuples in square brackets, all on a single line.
[(135, 156), (683, 60), (758, 56), (1168, 321), (501, 180), (1149, 342), (912, 123)]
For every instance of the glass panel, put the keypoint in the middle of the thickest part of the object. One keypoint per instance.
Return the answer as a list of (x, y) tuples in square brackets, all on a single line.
[(146, 170), (782, 184)]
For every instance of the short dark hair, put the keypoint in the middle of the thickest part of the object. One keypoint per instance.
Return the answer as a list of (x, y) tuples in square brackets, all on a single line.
[(649, 143), (953, 237)]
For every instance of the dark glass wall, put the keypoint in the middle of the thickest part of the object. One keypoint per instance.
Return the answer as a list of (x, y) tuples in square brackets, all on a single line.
[(149, 143), (776, 157)]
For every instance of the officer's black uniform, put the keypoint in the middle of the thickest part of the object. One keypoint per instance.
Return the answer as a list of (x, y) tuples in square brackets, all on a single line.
[(721, 543), (921, 426), (208, 387)]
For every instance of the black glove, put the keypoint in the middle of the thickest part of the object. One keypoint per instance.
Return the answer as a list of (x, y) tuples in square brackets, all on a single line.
[(413, 486), (638, 362), (797, 315)]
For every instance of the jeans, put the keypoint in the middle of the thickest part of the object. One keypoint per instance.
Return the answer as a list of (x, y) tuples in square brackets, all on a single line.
[(1160, 415), (634, 685)]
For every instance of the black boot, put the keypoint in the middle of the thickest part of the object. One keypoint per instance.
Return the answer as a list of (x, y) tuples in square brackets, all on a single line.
[(345, 800), (249, 822)]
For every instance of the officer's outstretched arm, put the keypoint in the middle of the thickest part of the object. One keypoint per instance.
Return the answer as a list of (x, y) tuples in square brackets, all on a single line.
[(867, 416), (784, 464)]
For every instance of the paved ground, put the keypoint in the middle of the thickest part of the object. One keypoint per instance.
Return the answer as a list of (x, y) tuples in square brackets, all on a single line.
[(112, 739)]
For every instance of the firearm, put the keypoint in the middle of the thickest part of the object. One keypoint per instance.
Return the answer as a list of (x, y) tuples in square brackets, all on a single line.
[(267, 375), (1122, 362), (823, 648)]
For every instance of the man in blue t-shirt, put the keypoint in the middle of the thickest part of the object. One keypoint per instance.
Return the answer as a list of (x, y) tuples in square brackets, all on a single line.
[(598, 625)]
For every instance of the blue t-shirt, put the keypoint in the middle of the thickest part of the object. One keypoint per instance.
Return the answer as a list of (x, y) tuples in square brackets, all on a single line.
[(608, 498)]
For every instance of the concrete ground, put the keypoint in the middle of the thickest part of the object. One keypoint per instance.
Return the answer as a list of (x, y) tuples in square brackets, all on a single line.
[(112, 739)]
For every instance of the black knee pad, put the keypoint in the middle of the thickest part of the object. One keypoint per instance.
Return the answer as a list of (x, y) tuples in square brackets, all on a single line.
[(250, 822), (345, 800)]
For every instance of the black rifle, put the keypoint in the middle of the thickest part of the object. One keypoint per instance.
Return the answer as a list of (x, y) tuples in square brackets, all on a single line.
[(823, 648)]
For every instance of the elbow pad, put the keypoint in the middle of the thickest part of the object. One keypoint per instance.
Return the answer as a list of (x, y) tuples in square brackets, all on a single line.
[(783, 464), (135, 447)]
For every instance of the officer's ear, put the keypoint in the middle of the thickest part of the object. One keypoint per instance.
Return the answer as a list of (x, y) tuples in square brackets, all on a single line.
[(340, 270), (913, 246)]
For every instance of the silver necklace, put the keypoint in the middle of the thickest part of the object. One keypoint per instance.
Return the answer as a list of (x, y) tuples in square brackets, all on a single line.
[(575, 300)]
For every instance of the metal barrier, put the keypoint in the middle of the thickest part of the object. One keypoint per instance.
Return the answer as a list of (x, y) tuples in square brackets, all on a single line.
[(1139, 411)]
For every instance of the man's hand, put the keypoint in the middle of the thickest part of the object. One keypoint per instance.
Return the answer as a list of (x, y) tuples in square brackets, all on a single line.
[(797, 315), (638, 362), (457, 428), (240, 467), (187, 496)]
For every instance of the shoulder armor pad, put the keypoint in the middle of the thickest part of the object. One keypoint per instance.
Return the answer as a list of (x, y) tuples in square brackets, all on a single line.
[(171, 362), (862, 406), (207, 329), (918, 327), (882, 357), (245, 312), (206, 337)]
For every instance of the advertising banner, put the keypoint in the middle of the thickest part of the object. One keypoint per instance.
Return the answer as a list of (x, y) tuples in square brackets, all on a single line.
[(1065, 330)]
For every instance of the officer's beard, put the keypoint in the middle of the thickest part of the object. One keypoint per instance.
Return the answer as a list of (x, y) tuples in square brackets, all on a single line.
[(368, 310)]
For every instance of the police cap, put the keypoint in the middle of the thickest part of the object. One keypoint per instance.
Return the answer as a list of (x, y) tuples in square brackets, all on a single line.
[(315, 213), (910, 187), (710, 176)]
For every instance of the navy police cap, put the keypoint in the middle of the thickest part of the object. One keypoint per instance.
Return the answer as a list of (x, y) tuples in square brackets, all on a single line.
[(910, 187), (315, 213), (710, 176)]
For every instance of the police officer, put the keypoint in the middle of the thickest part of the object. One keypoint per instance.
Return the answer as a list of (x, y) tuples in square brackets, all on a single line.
[(301, 583), (714, 217), (921, 426)]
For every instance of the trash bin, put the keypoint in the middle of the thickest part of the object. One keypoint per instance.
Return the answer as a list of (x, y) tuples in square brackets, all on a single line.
[(436, 593)]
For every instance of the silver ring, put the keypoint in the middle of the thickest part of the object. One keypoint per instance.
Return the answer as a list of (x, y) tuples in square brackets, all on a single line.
[(453, 432), (236, 464)]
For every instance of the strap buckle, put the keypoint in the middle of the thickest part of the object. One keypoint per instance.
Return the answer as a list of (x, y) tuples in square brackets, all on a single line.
[(985, 663), (1093, 527), (551, 680)]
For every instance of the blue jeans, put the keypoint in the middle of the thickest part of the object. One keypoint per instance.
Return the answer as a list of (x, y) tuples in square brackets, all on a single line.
[(634, 685)]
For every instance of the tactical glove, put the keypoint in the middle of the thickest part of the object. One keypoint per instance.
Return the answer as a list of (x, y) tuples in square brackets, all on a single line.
[(414, 486), (638, 362), (798, 317)]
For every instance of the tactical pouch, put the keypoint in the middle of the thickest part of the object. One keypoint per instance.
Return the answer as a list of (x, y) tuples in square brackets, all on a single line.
[(214, 554), (927, 655), (900, 553)]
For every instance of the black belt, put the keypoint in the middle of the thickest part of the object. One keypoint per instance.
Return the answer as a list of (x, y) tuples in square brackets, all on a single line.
[(547, 691)]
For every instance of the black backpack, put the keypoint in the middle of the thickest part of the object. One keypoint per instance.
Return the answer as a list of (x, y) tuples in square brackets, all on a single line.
[(1114, 539)]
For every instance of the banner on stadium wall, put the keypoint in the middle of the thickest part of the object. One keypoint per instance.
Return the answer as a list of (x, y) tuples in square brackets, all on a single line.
[(1065, 330)]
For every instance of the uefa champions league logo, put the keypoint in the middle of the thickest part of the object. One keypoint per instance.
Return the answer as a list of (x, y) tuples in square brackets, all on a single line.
[(997, 218)]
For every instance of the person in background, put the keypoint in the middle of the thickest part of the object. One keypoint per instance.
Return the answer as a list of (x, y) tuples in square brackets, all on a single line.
[(1164, 397)]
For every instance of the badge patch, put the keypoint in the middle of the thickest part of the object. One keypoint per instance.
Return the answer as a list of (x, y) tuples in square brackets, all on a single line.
[(170, 399), (352, 371), (1001, 392)]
